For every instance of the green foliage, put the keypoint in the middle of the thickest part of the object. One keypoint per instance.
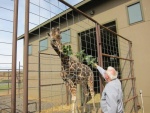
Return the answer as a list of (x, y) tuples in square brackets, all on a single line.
[(67, 50), (88, 58), (80, 55)]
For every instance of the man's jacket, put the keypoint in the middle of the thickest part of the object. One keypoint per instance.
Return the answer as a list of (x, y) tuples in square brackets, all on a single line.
[(111, 100)]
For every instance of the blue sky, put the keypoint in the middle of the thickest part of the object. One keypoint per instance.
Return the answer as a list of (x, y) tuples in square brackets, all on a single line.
[(49, 8)]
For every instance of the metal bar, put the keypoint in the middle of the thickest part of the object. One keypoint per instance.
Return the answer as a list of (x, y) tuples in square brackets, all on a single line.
[(67, 95), (133, 81), (39, 81), (130, 99), (19, 80), (77, 10), (51, 84), (124, 64), (127, 78), (99, 52), (25, 69), (116, 57), (14, 57), (8, 82), (49, 54)]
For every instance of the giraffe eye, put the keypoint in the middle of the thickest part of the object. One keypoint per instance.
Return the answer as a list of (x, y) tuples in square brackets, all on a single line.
[(48, 34)]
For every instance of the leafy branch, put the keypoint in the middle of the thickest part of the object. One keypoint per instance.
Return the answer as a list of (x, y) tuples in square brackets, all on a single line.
[(88, 58), (67, 50), (81, 55)]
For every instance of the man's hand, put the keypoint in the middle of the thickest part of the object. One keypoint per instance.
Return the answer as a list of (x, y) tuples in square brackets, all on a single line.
[(95, 65)]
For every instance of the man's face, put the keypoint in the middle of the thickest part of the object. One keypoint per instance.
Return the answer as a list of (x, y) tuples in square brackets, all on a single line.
[(107, 78)]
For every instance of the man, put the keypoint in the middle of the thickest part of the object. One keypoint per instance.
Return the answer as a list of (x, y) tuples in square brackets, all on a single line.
[(111, 100)]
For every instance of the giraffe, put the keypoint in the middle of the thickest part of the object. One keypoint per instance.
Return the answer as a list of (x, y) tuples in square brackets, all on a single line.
[(72, 71)]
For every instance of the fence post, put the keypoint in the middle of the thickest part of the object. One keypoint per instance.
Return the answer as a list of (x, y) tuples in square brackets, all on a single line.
[(99, 53), (133, 80), (19, 81), (39, 81), (25, 69), (14, 57)]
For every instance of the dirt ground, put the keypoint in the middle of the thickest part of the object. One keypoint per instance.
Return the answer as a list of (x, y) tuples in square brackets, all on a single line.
[(47, 107)]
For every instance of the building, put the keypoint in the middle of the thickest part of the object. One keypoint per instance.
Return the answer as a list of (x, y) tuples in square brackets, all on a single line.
[(129, 18)]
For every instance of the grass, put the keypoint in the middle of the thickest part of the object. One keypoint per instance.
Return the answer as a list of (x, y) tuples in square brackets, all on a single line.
[(4, 88), (5, 81)]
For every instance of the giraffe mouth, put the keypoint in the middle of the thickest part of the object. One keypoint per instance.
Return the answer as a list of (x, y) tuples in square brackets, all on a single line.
[(53, 40)]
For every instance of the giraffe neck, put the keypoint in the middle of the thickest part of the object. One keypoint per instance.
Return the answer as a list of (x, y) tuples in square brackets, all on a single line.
[(64, 58)]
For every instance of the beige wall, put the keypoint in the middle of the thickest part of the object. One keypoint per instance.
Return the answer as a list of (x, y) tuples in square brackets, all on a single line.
[(139, 35)]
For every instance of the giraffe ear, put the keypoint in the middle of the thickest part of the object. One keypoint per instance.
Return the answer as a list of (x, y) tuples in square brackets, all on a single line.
[(52, 31), (48, 34), (58, 29), (53, 28)]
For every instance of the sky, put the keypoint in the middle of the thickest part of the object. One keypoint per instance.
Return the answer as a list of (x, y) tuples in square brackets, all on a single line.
[(40, 11)]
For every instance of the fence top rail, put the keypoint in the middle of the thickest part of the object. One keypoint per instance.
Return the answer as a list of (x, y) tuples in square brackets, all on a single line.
[(77, 10), (127, 78), (112, 56), (1, 70), (130, 99), (48, 54)]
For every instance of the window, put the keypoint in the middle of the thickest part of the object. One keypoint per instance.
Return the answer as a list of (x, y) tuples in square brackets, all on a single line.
[(29, 50), (65, 36), (135, 13), (43, 44)]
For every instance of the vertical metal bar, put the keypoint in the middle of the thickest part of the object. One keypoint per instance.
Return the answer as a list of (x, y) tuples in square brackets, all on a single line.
[(8, 81), (133, 80), (99, 52), (25, 69), (39, 82), (67, 95), (14, 56), (19, 81)]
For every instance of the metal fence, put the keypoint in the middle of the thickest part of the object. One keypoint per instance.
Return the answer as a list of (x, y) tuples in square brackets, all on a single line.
[(37, 86)]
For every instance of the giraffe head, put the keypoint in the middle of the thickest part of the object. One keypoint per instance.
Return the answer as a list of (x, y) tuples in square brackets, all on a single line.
[(55, 37), (55, 34)]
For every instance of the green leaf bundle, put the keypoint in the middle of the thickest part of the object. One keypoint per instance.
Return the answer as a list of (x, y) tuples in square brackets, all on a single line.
[(67, 50)]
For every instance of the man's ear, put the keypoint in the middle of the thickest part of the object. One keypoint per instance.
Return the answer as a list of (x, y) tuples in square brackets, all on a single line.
[(106, 76)]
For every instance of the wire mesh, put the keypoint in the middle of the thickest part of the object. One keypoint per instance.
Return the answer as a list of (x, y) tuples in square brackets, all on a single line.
[(46, 89), (6, 34), (5, 55)]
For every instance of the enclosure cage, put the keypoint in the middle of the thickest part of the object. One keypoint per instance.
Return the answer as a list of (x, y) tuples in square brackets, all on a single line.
[(36, 85)]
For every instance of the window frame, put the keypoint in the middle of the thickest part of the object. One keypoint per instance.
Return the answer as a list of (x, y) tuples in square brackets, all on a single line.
[(29, 49), (69, 35), (142, 16), (46, 38)]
